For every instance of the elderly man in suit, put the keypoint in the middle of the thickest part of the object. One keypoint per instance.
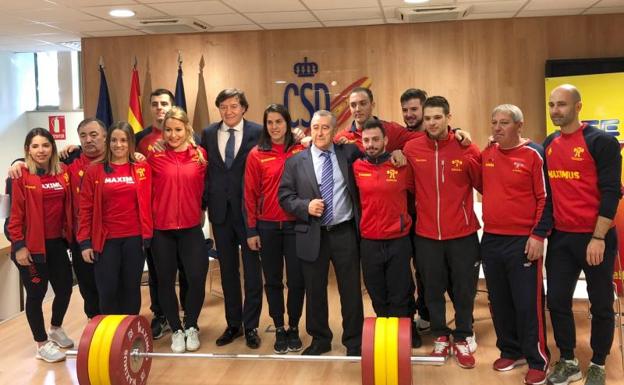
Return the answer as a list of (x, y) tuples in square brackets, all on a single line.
[(227, 144), (318, 187)]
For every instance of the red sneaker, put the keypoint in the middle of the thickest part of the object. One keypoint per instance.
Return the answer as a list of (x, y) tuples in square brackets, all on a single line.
[(535, 377), (440, 347), (505, 364), (463, 355)]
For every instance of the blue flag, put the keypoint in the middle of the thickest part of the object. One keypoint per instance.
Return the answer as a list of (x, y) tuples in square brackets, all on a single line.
[(104, 111), (180, 98)]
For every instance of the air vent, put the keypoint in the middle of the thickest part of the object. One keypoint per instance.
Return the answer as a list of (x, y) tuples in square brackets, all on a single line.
[(432, 14), (170, 25)]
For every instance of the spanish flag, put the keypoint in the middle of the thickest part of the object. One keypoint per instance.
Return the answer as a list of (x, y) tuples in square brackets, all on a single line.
[(135, 118)]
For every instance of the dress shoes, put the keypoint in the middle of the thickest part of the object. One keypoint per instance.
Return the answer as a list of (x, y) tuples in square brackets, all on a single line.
[(252, 339), (316, 349), (229, 335)]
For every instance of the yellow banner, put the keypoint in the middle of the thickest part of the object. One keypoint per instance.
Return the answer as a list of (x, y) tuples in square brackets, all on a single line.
[(603, 101)]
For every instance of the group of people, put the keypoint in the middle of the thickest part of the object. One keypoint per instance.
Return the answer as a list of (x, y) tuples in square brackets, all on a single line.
[(374, 197)]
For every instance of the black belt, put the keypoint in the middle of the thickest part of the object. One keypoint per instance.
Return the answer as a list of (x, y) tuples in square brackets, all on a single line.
[(336, 226)]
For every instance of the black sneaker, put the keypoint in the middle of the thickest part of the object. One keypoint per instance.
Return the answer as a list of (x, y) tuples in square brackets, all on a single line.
[(252, 339), (416, 340), (159, 327), (281, 341), (294, 342)]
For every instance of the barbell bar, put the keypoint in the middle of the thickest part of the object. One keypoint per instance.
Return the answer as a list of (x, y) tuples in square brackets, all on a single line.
[(118, 350)]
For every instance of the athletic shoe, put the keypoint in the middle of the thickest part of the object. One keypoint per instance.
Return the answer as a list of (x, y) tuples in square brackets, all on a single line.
[(504, 364), (463, 355), (535, 377), (159, 326), (192, 339), (565, 372), (294, 342), (58, 336), (595, 375), (440, 347), (424, 326), (50, 353), (178, 345), (281, 341), (472, 342)]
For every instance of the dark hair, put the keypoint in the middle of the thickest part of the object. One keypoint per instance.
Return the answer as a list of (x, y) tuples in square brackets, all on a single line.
[(163, 91), (127, 129), (414, 93), (438, 101), (91, 120), (372, 123), (230, 93), (264, 143), (367, 91), (54, 162)]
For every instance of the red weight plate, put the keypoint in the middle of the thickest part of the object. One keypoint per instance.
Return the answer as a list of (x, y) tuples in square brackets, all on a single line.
[(82, 361), (134, 332), (368, 351), (405, 351)]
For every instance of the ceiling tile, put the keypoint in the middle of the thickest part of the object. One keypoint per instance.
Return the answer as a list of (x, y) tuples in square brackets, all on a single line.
[(281, 17), (142, 12), (497, 6), (227, 19), (192, 8), (344, 23), (93, 3), (536, 5), (83, 26), (610, 3), (315, 24), (596, 11), (495, 15), (401, 3), (333, 4), (349, 14), (25, 4), (58, 37), (27, 28), (551, 12), (118, 32), (265, 6), (51, 15)]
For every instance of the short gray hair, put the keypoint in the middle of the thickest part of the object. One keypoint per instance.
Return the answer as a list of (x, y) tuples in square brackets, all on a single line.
[(325, 113), (514, 111)]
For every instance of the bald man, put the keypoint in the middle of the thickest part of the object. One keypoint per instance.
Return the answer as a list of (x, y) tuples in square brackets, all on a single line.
[(584, 167)]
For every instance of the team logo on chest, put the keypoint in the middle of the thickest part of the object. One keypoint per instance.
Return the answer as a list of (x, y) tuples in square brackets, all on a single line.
[(578, 153), (489, 162), (517, 166), (392, 175), (141, 173), (456, 165)]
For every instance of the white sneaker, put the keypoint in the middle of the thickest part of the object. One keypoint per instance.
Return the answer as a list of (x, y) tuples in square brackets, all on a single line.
[(192, 339), (59, 337), (177, 342), (50, 353), (472, 343)]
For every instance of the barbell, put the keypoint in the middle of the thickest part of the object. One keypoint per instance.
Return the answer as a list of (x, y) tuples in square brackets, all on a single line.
[(118, 350)]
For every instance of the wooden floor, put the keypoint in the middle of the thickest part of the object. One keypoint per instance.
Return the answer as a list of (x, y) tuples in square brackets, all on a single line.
[(18, 365)]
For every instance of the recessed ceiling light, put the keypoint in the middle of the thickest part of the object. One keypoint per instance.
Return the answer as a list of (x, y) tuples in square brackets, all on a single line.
[(121, 13), (416, 1), (280, 82)]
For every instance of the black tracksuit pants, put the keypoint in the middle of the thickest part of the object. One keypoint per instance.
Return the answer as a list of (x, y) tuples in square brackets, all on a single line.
[(278, 246), (153, 284), (57, 270), (444, 263), (516, 294), (387, 275), (565, 259), (86, 281)]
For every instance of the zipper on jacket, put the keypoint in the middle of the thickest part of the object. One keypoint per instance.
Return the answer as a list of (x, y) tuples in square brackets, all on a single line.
[(442, 170), (178, 181), (437, 192), (464, 210)]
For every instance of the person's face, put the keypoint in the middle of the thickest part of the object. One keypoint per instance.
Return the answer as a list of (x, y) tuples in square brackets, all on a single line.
[(412, 113), (562, 108), (40, 151), (119, 144), (92, 139), (436, 122), (374, 142), (361, 107), (160, 105), (322, 132), (174, 133), (505, 131), (276, 126), (231, 111)]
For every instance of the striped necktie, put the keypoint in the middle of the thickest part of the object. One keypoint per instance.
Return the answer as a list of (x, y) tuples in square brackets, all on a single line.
[(327, 189)]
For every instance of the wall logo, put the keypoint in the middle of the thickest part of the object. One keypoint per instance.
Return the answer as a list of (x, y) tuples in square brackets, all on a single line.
[(610, 126), (317, 96)]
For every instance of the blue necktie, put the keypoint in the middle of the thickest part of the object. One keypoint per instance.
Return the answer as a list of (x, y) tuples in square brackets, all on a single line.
[(327, 189), (229, 149)]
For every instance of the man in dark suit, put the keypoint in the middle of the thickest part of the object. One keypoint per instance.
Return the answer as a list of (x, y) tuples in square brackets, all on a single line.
[(227, 144), (319, 189)]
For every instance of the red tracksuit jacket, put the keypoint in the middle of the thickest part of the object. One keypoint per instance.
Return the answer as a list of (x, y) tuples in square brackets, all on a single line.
[(444, 174), (514, 191), (397, 135), (77, 170), (383, 197), (263, 172), (26, 222), (91, 232), (177, 188)]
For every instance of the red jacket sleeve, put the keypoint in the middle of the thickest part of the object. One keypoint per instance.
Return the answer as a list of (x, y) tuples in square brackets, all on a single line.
[(539, 190), (253, 187), (85, 219), (409, 175), (474, 166), (399, 135), (18, 214)]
